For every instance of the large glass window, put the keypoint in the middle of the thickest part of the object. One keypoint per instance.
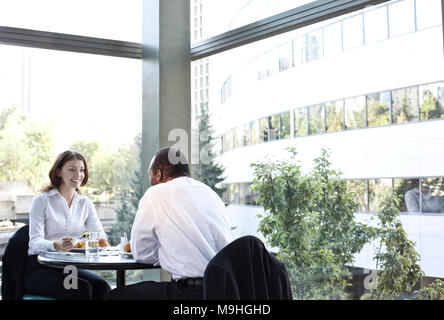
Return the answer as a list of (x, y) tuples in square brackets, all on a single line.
[(52, 101), (375, 23), (334, 116), (432, 101), (109, 19), (354, 112), (378, 109), (433, 195), (223, 16), (301, 122), (401, 17), (405, 105), (316, 118)]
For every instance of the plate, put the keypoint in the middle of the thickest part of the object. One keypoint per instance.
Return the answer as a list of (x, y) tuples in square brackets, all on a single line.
[(82, 250), (127, 254)]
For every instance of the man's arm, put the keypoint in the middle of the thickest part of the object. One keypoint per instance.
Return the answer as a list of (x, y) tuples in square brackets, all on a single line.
[(144, 241)]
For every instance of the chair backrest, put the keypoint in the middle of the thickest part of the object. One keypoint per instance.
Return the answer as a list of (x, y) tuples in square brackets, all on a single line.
[(14, 262), (244, 269)]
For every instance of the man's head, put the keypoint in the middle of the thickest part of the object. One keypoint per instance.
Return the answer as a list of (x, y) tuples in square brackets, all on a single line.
[(168, 164)]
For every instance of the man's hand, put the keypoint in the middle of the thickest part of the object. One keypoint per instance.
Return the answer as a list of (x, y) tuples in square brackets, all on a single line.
[(64, 244)]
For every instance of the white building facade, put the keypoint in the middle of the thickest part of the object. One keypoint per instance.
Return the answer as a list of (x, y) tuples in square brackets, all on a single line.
[(368, 86)]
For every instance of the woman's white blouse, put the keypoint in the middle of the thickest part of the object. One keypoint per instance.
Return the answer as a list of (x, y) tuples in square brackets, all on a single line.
[(51, 219)]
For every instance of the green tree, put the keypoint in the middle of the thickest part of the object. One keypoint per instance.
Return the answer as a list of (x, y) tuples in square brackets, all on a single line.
[(310, 219), (86, 147), (129, 197), (25, 148), (396, 259), (433, 292), (431, 108), (207, 171)]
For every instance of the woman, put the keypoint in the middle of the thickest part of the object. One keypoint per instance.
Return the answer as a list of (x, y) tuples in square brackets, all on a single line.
[(57, 216)]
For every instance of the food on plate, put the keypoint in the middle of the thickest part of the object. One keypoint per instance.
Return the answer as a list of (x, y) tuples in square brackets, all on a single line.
[(80, 244), (127, 247), (103, 242)]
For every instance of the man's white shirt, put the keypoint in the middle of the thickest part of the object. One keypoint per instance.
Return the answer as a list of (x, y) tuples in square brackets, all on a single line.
[(51, 219), (181, 225)]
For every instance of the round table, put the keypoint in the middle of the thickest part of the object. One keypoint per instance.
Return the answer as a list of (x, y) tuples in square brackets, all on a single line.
[(104, 261)]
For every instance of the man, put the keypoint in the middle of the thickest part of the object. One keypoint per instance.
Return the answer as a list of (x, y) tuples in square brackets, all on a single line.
[(180, 224)]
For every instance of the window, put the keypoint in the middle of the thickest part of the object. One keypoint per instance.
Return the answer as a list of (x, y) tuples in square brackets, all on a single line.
[(299, 51), (247, 134), (334, 116), (273, 131), (375, 23), (408, 192), (238, 138), (263, 129), (301, 122), (354, 113), (332, 39), (254, 131), (378, 188), (428, 13), (378, 109), (285, 56), (433, 195), (53, 101), (314, 45), (353, 32), (285, 125), (359, 188), (316, 118), (401, 17), (405, 105), (432, 101)]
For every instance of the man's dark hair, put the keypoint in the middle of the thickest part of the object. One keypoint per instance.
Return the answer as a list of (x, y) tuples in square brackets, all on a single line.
[(171, 162)]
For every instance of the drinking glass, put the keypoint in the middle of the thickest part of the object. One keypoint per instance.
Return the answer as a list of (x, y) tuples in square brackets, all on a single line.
[(92, 245)]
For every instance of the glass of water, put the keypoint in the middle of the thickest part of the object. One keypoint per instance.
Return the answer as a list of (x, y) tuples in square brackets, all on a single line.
[(92, 245)]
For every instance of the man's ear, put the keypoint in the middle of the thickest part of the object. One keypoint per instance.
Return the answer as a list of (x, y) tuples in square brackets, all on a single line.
[(159, 175)]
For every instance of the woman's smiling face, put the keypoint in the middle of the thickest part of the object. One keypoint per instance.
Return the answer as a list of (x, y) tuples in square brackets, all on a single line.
[(72, 173)]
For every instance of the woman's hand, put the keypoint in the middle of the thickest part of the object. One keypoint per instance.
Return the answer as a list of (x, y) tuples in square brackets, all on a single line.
[(64, 244)]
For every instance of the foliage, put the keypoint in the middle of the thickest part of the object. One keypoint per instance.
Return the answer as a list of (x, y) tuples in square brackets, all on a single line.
[(433, 292), (310, 218), (110, 172), (129, 200), (25, 148), (207, 171), (431, 107), (396, 259)]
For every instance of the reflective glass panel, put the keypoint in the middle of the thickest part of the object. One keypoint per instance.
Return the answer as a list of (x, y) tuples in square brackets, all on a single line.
[(378, 109), (432, 101), (405, 105)]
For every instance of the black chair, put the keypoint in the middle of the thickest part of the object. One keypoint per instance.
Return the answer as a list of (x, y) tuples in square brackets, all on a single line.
[(245, 270), (14, 262)]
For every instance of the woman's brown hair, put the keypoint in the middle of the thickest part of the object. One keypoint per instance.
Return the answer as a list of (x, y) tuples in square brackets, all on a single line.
[(55, 180)]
